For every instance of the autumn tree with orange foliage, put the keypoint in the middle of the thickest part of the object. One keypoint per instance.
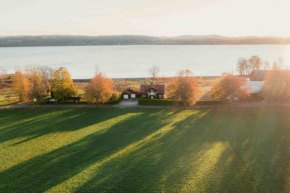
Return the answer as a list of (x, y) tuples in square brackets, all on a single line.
[(183, 88), (228, 87), (99, 89), (276, 87), (20, 85)]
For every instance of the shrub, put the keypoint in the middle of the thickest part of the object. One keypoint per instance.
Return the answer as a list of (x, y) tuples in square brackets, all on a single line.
[(72, 102), (209, 102), (117, 101), (155, 102)]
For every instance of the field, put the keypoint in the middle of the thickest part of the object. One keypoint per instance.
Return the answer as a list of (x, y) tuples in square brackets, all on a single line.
[(127, 150), (7, 96)]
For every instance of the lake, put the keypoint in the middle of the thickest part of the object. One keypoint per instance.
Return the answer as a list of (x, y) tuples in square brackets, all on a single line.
[(133, 61)]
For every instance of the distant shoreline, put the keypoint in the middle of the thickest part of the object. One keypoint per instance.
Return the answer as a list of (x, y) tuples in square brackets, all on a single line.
[(131, 40)]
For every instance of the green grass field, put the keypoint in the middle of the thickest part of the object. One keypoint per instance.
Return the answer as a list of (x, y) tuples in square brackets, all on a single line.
[(96, 150)]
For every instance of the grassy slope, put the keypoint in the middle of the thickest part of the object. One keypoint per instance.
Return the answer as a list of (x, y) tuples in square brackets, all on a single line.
[(245, 150)]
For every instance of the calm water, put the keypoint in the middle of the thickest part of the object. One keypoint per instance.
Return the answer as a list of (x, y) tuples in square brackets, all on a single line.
[(133, 61)]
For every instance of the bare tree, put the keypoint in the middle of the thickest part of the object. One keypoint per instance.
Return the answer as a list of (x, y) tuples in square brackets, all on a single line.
[(255, 62), (154, 71), (243, 66), (46, 74), (3, 75), (267, 65), (119, 85)]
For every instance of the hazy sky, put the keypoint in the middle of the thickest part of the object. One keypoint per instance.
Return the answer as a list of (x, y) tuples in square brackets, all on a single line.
[(145, 17)]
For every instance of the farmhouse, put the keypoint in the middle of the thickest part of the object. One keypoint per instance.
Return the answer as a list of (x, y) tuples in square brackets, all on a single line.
[(152, 91), (258, 75), (255, 84), (131, 93)]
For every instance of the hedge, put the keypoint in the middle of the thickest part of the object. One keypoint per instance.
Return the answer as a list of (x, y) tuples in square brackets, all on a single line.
[(72, 102), (164, 102), (210, 102), (155, 102), (117, 101)]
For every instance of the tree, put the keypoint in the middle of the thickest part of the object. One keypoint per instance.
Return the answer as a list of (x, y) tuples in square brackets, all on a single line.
[(228, 87), (62, 84), (278, 65), (267, 65), (153, 71), (119, 86), (3, 75), (99, 89), (183, 88), (46, 74), (243, 66), (255, 62), (37, 88), (20, 85), (277, 86)]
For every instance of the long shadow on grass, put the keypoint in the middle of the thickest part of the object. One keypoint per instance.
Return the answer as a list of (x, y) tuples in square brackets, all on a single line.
[(46, 171), (36, 123), (217, 151)]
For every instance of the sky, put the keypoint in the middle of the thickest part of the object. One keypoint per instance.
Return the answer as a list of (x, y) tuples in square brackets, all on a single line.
[(145, 17)]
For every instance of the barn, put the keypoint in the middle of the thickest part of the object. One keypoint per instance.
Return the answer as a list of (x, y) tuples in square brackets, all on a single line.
[(258, 75)]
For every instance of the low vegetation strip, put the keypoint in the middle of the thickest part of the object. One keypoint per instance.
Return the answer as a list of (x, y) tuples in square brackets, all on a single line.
[(164, 102), (155, 102), (145, 150)]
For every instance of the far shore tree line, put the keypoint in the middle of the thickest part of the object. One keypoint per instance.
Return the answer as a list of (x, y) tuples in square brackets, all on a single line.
[(35, 83)]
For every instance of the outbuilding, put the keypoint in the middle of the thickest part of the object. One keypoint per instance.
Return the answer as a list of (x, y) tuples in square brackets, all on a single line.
[(131, 93), (258, 75)]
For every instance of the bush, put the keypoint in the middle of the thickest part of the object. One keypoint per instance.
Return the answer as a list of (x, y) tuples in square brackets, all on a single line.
[(117, 101), (209, 102), (72, 102), (164, 102), (155, 102)]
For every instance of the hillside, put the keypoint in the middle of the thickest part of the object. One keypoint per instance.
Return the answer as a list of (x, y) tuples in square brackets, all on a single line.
[(30, 41)]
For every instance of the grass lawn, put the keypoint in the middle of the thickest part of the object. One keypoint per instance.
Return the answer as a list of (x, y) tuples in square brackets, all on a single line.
[(121, 150)]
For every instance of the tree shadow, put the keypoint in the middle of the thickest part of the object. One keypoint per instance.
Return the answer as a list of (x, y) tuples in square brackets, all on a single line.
[(29, 125), (221, 150), (48, 170), (214, 151)]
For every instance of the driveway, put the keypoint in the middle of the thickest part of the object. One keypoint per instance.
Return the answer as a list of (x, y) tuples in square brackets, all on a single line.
[(128, 103)]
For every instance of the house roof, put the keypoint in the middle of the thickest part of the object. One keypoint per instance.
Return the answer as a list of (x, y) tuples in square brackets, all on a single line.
[(159, 87), (260, 74), (131, 89)]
